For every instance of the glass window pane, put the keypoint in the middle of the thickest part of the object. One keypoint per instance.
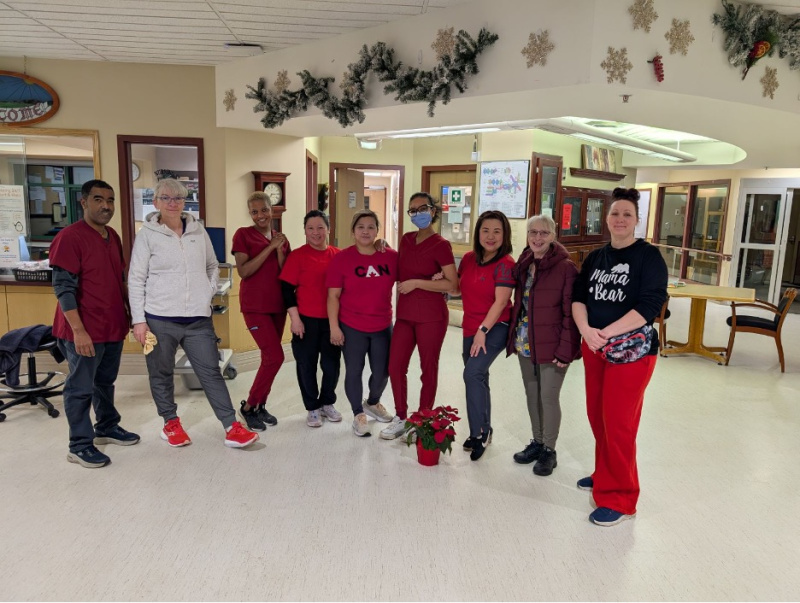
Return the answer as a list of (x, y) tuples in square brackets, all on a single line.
[(709, 208), (754, 271), (550, 186), (764, 212), (571, 217), (594, 217), (703, 268), (673, 258), (81, 175), (673, 215)]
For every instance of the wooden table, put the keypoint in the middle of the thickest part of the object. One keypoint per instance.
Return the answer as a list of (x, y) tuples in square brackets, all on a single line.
[(700, 294)]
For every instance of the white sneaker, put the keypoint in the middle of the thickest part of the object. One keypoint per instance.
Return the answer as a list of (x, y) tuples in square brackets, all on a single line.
[(313, 419), (361, 425), (330, 413), (396, 429), (377, 412)]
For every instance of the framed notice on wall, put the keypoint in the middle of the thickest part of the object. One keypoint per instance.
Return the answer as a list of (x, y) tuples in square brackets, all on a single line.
[(645, 194), (12, 210), (504, 187)]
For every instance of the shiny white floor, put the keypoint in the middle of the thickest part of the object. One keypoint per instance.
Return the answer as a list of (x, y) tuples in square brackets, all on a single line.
[(320, 514)]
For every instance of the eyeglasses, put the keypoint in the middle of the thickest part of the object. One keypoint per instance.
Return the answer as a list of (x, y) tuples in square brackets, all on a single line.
[(538, 233), (422, 209), (174, 200)]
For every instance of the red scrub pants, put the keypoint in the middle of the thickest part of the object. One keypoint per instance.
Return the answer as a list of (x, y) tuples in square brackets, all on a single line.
[(267, 330)]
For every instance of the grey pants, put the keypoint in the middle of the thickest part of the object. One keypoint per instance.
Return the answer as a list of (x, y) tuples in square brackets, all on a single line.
[(543, 388), (199, 342), (358, 346)]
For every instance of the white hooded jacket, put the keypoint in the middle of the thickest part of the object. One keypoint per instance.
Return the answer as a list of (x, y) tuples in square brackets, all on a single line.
[(171, 275)]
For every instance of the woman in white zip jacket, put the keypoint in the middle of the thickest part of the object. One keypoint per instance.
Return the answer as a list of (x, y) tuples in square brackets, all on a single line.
[(172, 278)]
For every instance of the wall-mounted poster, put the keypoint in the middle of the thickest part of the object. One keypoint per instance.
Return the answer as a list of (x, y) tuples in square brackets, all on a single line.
[(645, 194), (12, 210), (504, 187), (25, 100)]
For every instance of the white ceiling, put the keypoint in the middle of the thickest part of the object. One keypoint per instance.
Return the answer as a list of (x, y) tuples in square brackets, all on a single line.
[(184, 31)]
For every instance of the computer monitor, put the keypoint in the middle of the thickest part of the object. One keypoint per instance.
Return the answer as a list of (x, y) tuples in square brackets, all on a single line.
[(217, 236)]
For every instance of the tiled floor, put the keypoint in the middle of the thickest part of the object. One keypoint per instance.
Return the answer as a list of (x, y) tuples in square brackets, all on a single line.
[(321, 514)]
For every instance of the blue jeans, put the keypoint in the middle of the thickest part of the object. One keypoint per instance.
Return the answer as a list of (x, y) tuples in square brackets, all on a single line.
[(476, 378), (90, 384)]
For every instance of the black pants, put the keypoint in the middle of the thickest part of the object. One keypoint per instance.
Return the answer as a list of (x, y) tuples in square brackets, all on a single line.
[(358, 346), (316, 348)]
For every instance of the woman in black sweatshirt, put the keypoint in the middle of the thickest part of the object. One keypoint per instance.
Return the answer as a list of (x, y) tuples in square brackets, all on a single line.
[(619, 291)]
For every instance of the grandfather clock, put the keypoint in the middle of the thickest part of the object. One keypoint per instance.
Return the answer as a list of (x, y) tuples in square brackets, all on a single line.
[(274, 185)]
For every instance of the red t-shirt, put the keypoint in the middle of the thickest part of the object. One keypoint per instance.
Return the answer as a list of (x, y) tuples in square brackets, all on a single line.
[(366, 282), (422, 261), (98, 262), (477, 289), (259, 293), (306, 269)]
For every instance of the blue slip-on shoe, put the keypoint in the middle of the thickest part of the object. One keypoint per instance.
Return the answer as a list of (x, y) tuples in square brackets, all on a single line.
[(586, 483), (603, 516), (116, 435)]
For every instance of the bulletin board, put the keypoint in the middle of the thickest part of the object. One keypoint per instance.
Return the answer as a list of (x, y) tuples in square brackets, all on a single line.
[(503, 186)]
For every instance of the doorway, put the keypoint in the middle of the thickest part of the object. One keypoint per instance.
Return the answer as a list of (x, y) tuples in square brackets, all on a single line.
[(762, 225), (454, 187), (379, 188)]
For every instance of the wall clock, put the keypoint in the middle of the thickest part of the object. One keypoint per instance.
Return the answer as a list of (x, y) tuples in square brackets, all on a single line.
[(274, 192), (274, 185), (135, 172)]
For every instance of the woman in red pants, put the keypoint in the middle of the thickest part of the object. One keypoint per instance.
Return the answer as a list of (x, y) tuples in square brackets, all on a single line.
[(260, 253), (619, 291), (422, 315)]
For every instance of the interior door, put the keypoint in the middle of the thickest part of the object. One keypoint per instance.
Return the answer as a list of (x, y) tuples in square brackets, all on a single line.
[(457, 217), (761, 247), (349, 199)]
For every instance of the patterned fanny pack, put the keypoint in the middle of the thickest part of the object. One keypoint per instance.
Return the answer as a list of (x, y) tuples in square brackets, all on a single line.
[(629, 347)]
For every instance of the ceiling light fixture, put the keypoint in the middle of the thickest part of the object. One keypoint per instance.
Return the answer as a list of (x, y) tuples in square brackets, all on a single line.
[(243, 49)]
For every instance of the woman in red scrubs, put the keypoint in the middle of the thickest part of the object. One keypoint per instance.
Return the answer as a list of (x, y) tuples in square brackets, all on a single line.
[(260, 253), (422, 315)]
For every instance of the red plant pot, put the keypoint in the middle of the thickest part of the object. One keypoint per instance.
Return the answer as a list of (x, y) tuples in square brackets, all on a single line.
[(429, 458)]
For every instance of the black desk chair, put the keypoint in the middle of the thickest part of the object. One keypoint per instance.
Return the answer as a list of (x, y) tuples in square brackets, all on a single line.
[(771, 327), (36, 391)]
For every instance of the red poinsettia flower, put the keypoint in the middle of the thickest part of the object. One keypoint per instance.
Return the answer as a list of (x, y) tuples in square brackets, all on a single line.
[(439, 436)]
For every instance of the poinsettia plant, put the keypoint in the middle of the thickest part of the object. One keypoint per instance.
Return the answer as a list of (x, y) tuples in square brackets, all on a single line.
[(433, 428)]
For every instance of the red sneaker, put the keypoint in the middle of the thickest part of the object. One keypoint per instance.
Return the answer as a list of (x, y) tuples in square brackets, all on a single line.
[(174, 434), (239, 437)]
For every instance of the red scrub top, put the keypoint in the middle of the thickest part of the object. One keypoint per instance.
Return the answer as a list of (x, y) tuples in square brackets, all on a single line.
[(259, 293), (422, 261), (366, 282), (477, 289), (98, 262), (306, 269)]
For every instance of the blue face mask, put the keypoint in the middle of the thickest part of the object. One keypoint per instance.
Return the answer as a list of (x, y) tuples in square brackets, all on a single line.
[(422, 220)]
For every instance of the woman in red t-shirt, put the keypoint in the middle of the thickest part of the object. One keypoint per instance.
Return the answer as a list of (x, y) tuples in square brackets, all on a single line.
[(260, 253), (305, 297), (422, 315), (360, 282), (486, 281)]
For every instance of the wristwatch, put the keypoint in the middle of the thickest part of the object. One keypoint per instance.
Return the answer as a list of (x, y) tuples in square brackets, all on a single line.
[(483, 329)]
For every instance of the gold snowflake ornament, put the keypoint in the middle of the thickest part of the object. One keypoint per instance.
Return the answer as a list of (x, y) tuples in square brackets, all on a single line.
[(679, 37), (617, 65), (282, 81), (643, 13), (445, 43), (769, 83), (229, 100), (539, 46)]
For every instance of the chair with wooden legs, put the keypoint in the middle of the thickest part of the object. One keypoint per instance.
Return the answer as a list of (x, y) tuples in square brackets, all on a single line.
[(661, 319), (743, 323)]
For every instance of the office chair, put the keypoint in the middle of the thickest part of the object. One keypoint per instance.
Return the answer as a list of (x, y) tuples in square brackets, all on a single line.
[(35, 391)]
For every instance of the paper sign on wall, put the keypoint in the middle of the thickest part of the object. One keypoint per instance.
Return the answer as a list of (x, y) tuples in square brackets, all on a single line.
[(566, 217), (12, 211), (351, 199), (9, 251)]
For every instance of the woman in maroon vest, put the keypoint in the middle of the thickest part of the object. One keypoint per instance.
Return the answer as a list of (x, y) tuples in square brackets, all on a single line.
[(543, 336)]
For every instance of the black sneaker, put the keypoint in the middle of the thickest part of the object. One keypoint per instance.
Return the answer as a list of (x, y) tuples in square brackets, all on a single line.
[(89, 457), (480, 444), (531, 453), (254, 422), (470, 442), (546, 463), (264, 415), (116, 435)]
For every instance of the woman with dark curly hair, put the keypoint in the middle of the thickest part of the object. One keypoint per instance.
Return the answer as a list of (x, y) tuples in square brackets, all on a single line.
[(619, 291)]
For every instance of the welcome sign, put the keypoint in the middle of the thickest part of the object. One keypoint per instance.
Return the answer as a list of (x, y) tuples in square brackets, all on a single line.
[(25, 100)]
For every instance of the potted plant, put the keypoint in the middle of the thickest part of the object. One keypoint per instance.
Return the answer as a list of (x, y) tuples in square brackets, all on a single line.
[(433, 432)]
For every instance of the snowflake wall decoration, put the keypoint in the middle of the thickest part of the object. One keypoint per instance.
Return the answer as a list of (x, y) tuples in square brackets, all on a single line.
[(643, 13), (769, 82), (445, 43), (617, 65), (539, 46), (679, 37), (282, 81), (229, 100)]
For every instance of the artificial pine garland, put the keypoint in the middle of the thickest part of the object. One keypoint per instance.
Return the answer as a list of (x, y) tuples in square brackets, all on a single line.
[(408, 84)]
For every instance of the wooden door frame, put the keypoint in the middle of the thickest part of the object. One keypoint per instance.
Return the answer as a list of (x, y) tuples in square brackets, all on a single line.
[(312, 180), (365, 166)]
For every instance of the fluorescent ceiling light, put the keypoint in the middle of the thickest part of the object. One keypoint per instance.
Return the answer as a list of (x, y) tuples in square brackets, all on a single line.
[(368, 144), (374, 174), (432, 132)]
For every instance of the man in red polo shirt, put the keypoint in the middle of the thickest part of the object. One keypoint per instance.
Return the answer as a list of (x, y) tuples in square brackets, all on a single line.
[(91, 322)]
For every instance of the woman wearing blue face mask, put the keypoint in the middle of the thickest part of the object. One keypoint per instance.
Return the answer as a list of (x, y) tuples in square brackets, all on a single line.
[(422, 314)]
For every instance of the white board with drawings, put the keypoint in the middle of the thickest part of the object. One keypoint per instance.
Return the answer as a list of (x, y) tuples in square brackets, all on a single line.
[(504, 187)]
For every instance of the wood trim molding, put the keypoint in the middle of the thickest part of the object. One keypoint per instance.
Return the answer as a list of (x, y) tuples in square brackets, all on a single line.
[(595, 174)]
